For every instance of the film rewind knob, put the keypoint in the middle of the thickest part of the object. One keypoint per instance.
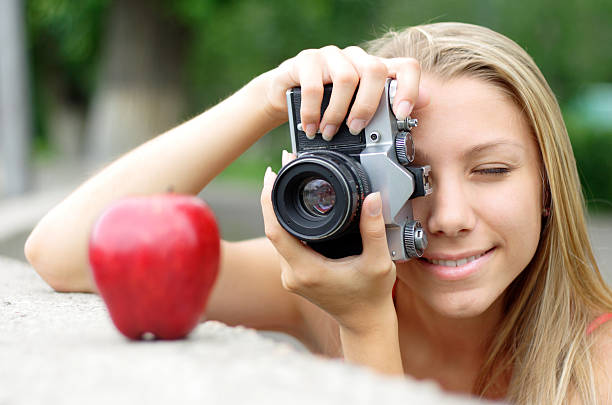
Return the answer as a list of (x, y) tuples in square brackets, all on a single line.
[(415, 239), (404, 148)]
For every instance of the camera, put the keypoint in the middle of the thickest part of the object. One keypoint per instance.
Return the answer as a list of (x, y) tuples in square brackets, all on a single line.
[(318, 196)]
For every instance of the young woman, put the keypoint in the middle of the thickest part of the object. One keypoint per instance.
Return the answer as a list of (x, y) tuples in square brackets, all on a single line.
[(507, 301)]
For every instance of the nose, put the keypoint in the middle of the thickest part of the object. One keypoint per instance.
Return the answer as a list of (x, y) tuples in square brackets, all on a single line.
[(450, 210)]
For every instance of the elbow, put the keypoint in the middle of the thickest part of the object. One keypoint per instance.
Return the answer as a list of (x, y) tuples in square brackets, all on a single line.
[(31, 251), (33, 254), (52, 272)]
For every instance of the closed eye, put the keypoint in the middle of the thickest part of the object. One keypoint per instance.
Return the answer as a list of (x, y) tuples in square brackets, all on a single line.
[(493, 171)]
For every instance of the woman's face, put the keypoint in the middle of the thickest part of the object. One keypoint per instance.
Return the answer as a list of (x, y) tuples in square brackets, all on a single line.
[(483, 217)]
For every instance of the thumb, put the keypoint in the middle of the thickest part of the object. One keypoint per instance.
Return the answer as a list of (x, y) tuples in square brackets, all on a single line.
[(372, 226)]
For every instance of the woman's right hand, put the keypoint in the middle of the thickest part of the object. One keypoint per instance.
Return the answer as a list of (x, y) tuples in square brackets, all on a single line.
[(345, 69)]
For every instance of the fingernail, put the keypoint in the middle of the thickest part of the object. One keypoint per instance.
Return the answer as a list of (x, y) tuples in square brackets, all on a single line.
[(404, 109), (329, 131), (356, 126), (267, 176), (285, 156), (375, 205), (311, 130)]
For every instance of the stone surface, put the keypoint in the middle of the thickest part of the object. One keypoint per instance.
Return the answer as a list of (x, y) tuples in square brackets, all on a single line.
[(58, 348)]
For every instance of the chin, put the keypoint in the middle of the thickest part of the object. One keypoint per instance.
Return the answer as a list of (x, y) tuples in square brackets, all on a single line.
[(460, 304), (469, 296), (462, 311)]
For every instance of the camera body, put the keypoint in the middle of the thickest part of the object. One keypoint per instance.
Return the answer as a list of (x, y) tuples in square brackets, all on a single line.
[(318, 196)]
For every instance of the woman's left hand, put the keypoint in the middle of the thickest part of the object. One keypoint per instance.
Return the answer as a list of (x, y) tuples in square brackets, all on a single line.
[(355, 290)]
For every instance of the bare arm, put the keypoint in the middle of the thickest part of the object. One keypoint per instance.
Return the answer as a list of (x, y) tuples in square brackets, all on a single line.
[(377, 344), (248, 290), (185, 158)]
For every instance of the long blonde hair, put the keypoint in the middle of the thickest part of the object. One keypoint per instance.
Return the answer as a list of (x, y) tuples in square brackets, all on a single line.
[(541, 340)]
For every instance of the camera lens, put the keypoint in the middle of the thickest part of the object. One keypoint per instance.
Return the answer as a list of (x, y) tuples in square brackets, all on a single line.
[(318, 196)]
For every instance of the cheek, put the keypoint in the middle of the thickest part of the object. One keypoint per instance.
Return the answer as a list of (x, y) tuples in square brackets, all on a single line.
[(512, 210)]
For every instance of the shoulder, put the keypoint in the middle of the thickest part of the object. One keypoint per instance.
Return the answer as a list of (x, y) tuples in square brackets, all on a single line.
[(602, 357)]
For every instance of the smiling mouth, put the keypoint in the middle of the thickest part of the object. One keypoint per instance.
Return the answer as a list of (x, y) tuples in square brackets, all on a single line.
[(455, 263)]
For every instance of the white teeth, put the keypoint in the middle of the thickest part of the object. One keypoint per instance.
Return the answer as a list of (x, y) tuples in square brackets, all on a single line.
[(454, 263)]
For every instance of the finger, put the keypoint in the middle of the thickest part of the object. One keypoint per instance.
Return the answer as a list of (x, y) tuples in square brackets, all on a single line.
[(287, 157), (372, 76), (310, 76), (407, 71), (372, 227), (287, 246), (345, 79)]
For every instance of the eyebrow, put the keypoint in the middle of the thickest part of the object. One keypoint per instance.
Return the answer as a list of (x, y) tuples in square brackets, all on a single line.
[(484, 147), (474, 150)]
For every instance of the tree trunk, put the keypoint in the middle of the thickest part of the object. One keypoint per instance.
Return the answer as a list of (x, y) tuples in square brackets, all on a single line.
[(139, 93)]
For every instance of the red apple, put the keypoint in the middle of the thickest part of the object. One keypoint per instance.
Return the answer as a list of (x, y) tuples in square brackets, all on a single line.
[(154, 260)]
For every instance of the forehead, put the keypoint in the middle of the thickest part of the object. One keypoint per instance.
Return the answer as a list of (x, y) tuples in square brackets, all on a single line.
[(466, 113)]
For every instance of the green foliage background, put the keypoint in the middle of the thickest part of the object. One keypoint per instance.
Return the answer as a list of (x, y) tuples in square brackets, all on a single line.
[(230, 41)]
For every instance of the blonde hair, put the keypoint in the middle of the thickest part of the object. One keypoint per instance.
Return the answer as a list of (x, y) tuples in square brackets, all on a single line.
[(541, 341)]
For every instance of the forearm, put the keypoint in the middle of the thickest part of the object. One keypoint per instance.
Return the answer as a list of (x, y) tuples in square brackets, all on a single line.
[(183, 159), (375, 345)]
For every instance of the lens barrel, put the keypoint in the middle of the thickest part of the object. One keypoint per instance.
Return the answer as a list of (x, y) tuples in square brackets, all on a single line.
[(318, 196)]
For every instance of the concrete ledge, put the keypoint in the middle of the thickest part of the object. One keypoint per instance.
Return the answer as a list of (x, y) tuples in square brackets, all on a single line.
[(63, 349)]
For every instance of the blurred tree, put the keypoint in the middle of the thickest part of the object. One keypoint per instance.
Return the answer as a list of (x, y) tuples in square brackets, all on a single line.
[(565, 38), (227, 41), (63, 45), (232, 41), (140, 89), (111, 70), (216, 46)]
